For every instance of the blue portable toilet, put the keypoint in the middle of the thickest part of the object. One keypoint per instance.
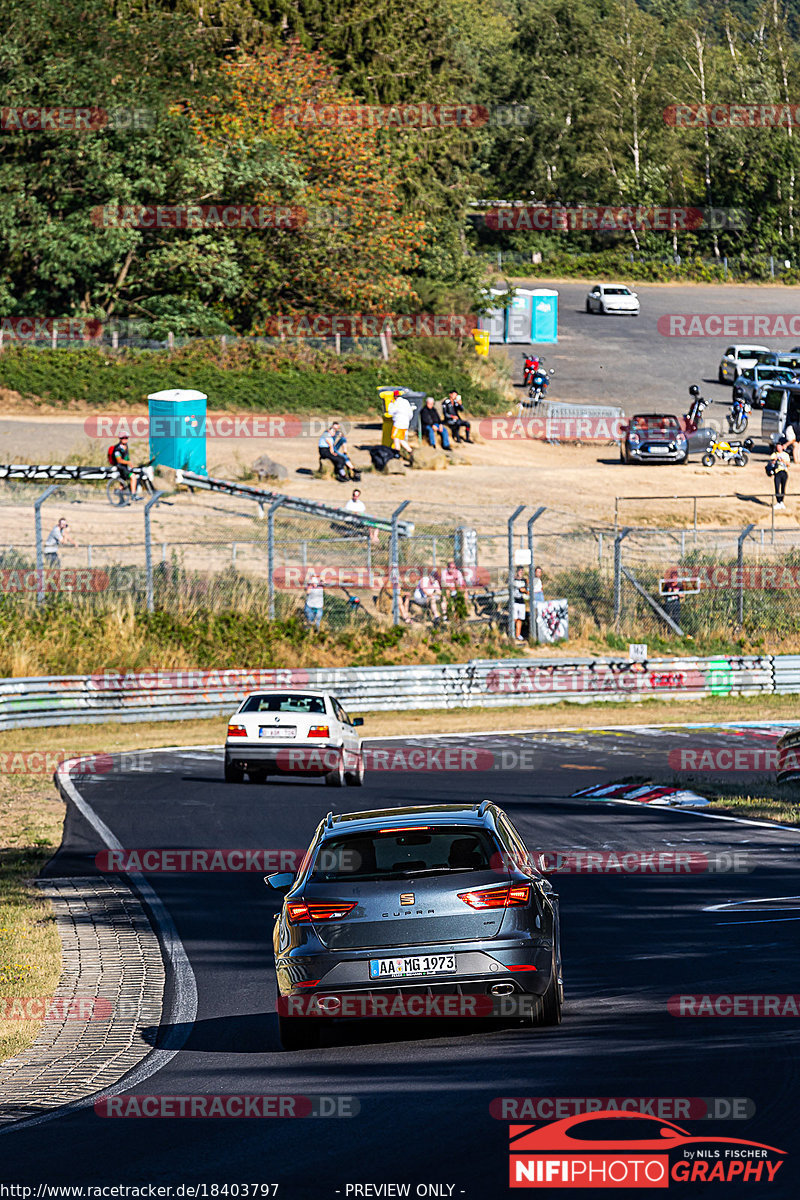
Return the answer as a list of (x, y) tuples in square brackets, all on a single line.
[(544, 323), (493, 320), (178, 429)]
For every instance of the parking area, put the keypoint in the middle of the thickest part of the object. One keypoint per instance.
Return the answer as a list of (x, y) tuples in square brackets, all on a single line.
[(627, 361)]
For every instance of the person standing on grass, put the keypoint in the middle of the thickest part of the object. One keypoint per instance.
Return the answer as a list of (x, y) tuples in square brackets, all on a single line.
[(520, 595), (57, 538), (779, 461), (315, 599)]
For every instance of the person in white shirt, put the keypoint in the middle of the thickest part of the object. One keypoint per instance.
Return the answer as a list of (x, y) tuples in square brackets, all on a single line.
[(402, 412), (315, 598), (355, 504), (538, 590), (57, 537)]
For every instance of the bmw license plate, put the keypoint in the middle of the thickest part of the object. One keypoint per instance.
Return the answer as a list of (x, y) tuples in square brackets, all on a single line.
[(422, 964), (274, 731), (659, 449)]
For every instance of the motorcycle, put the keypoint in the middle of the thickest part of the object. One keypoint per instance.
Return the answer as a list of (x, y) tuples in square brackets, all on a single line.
[(540, 382), (696, 410), (530, 369), (737, 453), (737, 417)]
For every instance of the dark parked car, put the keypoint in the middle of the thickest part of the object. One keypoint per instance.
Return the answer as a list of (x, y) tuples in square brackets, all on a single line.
[(659, 437), (408, 902)]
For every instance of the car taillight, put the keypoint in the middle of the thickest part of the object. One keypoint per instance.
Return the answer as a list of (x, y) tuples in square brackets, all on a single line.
[(319, 731), (301, 913), (504, 897), (237, 731)]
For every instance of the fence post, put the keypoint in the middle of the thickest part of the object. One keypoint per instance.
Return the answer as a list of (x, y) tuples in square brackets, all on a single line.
[(772, 266), (37, 522), (511, 520), (394, 565), (740, 569), (148, 550), (623, 533), (273, 508), (532, 628)]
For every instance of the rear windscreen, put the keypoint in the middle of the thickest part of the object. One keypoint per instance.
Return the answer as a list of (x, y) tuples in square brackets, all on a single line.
[(398, 853), (285, 704)]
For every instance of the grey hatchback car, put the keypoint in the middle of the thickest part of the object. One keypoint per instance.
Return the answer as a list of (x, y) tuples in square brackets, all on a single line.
[(435, 910)]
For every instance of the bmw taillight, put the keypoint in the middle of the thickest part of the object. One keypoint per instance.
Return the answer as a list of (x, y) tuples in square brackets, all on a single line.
[(511, 896), (319, 731), (237, 731), (301, 913)]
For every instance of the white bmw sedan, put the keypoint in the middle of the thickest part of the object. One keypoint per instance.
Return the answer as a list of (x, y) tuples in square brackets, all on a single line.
[(612, 298), (293, 733)]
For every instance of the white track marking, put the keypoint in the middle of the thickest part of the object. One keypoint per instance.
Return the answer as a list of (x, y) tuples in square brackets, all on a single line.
[(184, 1008)]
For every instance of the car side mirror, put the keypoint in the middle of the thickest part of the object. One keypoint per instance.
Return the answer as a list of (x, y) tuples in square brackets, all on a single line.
[(281, 882), (358, 720)]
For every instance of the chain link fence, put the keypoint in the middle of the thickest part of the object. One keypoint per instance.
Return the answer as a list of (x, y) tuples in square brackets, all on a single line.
[(415, 564)]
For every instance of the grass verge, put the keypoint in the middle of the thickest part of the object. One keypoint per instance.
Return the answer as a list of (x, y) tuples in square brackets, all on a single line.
[(31, 817)]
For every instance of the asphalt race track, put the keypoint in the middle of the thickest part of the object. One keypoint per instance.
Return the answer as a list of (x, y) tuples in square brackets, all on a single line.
[(629, 941)]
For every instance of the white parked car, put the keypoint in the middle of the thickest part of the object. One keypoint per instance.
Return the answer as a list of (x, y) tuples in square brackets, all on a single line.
[(737, 358), (612, 298), (293, 733)]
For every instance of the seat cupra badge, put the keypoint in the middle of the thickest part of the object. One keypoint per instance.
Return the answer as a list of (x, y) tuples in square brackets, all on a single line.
[(407, 898)]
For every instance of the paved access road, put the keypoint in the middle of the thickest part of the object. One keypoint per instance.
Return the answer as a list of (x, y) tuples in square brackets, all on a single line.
[(630, 942), (625, 360)]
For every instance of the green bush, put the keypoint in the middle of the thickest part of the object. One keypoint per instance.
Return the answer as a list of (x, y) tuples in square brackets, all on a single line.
[(248, 377)]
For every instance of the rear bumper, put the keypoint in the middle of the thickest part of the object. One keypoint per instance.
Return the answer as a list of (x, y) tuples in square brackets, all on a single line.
[(289, 758), (480, 968)]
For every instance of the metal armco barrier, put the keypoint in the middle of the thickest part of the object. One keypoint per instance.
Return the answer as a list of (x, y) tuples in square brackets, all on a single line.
[(180, 695)]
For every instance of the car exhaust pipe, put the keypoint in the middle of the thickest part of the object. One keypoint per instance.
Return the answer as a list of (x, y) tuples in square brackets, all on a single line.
[(328, 1004), (501, 989)]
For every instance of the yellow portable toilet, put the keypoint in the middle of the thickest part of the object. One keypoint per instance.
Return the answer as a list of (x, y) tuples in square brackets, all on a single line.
[(387, 396), (481, 337)]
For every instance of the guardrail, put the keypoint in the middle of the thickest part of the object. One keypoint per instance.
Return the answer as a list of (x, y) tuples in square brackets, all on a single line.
[(486, 683)]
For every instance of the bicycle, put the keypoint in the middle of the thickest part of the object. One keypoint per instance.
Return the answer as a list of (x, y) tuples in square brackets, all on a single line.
[(118, 490)]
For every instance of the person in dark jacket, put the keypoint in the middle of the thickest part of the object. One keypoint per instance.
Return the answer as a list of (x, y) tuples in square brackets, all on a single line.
[(453, 413), (430, 423)]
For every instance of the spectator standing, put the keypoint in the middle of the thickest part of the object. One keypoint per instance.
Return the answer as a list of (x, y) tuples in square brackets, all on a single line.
[(453, 413), (57, 538), (315, 599), (538, 588), (430, 423), (401, 411), (520, 596), (671, 590), (119, 457), (779, 462)]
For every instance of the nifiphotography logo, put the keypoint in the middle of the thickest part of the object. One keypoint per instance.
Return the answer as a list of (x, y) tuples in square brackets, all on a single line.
[(615, 1149)]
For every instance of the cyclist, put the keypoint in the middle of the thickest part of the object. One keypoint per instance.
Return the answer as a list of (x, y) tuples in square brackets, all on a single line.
[(119, 457)]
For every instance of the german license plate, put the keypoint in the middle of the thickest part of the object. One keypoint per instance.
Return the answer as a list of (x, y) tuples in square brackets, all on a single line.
[(420, 964), (278, 731)]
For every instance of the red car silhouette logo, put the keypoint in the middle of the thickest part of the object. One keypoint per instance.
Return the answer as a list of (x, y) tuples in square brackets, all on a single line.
[(599, 1131)]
